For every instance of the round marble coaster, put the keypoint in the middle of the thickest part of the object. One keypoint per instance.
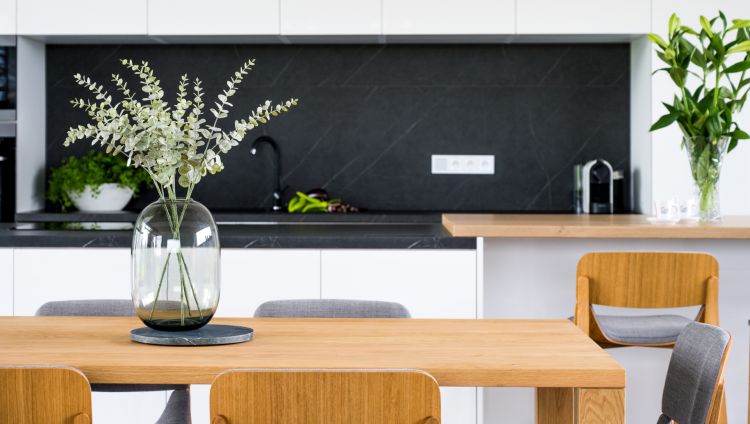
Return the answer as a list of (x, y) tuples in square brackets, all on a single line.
[(208, 335)]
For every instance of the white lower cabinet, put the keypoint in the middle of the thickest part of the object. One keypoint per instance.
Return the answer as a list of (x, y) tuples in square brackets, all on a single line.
[(6, 282), (43, 275), (250, 277), (430, 283)]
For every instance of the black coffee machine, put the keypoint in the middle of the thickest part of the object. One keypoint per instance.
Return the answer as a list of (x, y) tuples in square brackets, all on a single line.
[(597, 184)]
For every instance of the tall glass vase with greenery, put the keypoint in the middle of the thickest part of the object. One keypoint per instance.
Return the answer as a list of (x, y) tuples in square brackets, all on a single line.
[(710, 69), (175, 256)]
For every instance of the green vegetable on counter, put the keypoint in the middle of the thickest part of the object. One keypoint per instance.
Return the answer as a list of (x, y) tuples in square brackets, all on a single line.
[(317, 201)]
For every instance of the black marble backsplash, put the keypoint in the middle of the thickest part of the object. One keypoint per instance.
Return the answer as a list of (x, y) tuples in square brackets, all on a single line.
[(370, 116)]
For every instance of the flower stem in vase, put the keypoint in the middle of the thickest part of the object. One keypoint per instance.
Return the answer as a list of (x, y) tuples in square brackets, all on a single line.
[(161, 281), (181, 259)]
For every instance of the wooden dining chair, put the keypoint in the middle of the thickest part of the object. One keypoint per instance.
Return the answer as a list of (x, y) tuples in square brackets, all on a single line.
[(262, 396), (644, 280), (44, 394), (692, 390), (177, 409)]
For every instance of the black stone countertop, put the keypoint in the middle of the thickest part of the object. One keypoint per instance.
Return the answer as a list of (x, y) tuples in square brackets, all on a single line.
[(229, 217), (267, 235)]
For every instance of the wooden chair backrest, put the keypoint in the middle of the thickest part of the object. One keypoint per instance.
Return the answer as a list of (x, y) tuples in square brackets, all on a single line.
[(50, 395), (325, 397), (647, 279)]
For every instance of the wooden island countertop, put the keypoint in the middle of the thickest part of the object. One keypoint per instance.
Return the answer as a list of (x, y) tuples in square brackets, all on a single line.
[(591, 226)]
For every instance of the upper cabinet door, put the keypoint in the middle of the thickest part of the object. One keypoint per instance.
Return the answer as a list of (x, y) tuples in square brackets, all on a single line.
[(82, 17), (584, 16), (7, 17), (215, 17), (469, 17), (330, 17)]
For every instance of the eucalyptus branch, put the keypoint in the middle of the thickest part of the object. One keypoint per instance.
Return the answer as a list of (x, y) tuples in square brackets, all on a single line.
[(174, 144)]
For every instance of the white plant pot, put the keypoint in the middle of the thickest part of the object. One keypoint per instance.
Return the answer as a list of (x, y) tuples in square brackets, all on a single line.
[(111, 198)]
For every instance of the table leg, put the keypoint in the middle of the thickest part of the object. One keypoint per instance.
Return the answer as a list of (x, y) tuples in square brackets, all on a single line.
[(580, 406), (555, 405)]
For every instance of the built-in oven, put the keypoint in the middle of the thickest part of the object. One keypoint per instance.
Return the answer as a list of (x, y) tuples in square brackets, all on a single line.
[(7, 171), (7, 133)]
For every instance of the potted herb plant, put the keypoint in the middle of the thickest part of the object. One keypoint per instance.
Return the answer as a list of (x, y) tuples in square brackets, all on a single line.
[(96, 182), (710, 67), (175, 255)]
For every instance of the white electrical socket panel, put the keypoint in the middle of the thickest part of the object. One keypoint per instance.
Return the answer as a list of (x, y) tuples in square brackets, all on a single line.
[(463, 164)]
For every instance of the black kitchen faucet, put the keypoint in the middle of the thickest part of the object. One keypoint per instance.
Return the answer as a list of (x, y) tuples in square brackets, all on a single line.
[(277, 191)]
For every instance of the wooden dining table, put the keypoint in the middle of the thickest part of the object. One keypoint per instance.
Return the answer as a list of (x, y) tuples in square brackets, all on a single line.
[(576, 381)]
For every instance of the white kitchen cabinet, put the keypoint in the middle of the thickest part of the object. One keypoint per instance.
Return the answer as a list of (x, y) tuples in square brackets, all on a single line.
[(7, 17), (82, 17), (430, 283), (216, 17), (330, 17), (250, 277), (42, 275), (443, 17), (6, 282), (583, 17)]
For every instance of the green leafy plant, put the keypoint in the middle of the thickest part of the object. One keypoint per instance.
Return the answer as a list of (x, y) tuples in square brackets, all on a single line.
[(94, 169), (710, 69)]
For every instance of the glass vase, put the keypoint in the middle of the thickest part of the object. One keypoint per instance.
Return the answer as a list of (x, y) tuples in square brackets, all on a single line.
[(175, 265), (705, 158)]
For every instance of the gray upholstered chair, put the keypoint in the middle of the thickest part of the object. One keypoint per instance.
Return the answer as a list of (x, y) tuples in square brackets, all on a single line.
[(331, 308), (177, 410), (692, 393)]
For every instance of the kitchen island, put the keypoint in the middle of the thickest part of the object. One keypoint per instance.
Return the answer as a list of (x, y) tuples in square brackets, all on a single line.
[(528, 270)]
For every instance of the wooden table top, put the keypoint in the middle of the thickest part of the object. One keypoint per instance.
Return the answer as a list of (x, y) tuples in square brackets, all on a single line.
[(491, 353), (591, 226)]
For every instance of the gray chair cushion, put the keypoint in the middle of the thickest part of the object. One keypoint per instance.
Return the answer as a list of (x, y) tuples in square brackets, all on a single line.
[(693, 373), (122, 308), (642, 330), (88, 308), (331, 308)]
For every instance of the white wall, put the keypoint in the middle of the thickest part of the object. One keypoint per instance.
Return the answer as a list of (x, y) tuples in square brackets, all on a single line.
[(640, 121), (31, 127), (670, 170)]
